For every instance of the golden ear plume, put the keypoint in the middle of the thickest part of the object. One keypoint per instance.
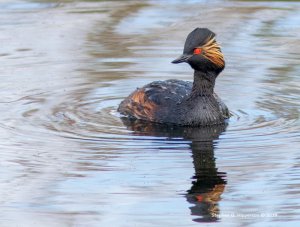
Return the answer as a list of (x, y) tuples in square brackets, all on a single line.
[(212, 51)]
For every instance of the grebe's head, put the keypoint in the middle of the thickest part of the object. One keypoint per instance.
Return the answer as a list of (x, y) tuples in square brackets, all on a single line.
[(202, 51)]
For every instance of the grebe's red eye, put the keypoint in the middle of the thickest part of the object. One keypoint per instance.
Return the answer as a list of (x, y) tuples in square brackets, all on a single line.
[(197, 51)]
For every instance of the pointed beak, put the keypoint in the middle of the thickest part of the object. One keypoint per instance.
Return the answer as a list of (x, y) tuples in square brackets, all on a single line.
[(182, 58)]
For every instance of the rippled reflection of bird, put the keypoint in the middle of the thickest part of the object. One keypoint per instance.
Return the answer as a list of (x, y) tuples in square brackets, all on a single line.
[(180, 102), (208, 183)]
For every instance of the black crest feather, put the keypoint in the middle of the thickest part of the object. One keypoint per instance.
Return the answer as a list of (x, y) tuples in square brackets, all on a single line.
[(197, 37)]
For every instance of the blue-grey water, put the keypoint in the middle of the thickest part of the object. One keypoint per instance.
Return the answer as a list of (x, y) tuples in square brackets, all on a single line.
[(68, 159)]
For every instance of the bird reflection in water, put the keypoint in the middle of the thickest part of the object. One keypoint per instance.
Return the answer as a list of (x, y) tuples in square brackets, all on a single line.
[(208, 183)]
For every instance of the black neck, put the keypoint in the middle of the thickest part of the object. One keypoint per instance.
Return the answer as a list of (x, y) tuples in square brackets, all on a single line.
[(204, 83)]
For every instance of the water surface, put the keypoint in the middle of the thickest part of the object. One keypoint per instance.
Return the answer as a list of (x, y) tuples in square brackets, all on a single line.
[(68, 159)]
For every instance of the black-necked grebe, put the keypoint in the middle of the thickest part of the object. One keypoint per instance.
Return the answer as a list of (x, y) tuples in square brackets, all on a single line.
[(181, 102)]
